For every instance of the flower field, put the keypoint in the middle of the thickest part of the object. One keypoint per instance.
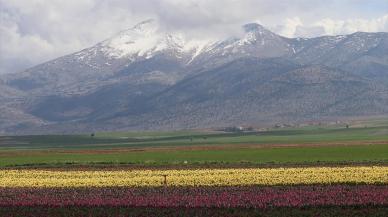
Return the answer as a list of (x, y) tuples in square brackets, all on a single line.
[(200, 197), (210, 191), (262, 176), (198, 177)]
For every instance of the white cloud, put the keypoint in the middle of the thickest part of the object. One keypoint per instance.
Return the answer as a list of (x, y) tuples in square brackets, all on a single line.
[(296, 27), (336, 27), (290, 26), (35, 31)]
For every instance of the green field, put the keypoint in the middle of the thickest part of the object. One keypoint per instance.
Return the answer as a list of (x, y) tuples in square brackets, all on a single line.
[(185, 138), (336, 154), (332, 144)]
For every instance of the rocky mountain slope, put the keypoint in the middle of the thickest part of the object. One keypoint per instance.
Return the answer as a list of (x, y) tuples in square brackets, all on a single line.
[(148, 78)]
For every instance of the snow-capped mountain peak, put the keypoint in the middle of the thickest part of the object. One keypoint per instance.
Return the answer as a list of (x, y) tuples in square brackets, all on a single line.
[(256, 32), (145, 39), (148, 39), (255, 41)]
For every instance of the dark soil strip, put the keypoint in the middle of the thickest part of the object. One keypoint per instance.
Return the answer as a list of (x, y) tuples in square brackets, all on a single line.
[(107, 211)]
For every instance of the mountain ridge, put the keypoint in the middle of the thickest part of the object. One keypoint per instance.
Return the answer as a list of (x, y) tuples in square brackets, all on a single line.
[(258, 78)]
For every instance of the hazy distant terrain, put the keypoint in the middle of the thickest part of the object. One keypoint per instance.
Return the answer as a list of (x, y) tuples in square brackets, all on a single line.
[(145, 79)]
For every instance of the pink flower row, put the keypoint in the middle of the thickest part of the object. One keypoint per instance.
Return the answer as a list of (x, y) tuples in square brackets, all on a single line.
[(191, 197)]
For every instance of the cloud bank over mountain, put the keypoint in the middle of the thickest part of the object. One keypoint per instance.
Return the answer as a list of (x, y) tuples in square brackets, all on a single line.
[(35, 31)]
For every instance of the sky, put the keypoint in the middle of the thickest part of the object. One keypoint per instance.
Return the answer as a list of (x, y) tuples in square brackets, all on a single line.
[(35, 31)]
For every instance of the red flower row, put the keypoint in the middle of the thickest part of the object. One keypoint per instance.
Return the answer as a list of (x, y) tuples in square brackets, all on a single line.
[(109, 211), (219, 197)]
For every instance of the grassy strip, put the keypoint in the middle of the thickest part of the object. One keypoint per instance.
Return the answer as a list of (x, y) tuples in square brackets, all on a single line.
[(112, 166), (185, 138), (281, 155)]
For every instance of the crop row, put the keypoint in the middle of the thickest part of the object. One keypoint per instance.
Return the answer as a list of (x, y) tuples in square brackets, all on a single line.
[(198, 177), (195, 197)]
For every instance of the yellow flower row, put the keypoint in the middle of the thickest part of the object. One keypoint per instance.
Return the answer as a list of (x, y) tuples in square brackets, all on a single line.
[(198, 177)]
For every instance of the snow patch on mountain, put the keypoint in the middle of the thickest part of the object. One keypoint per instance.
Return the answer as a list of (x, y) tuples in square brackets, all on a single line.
[(147, 39), (139, 40)]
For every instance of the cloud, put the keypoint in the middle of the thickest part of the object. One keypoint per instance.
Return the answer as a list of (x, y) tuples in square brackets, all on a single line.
[(336, 27), (34, 31), (295, 27), (290, 26)]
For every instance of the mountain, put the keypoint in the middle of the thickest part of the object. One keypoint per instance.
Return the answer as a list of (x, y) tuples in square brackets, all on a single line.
[(360, 52), (256, 42), (147, 78)]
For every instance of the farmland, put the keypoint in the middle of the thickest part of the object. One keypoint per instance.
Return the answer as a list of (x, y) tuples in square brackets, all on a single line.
[(280, 155), (305, 171), (334, 144)]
